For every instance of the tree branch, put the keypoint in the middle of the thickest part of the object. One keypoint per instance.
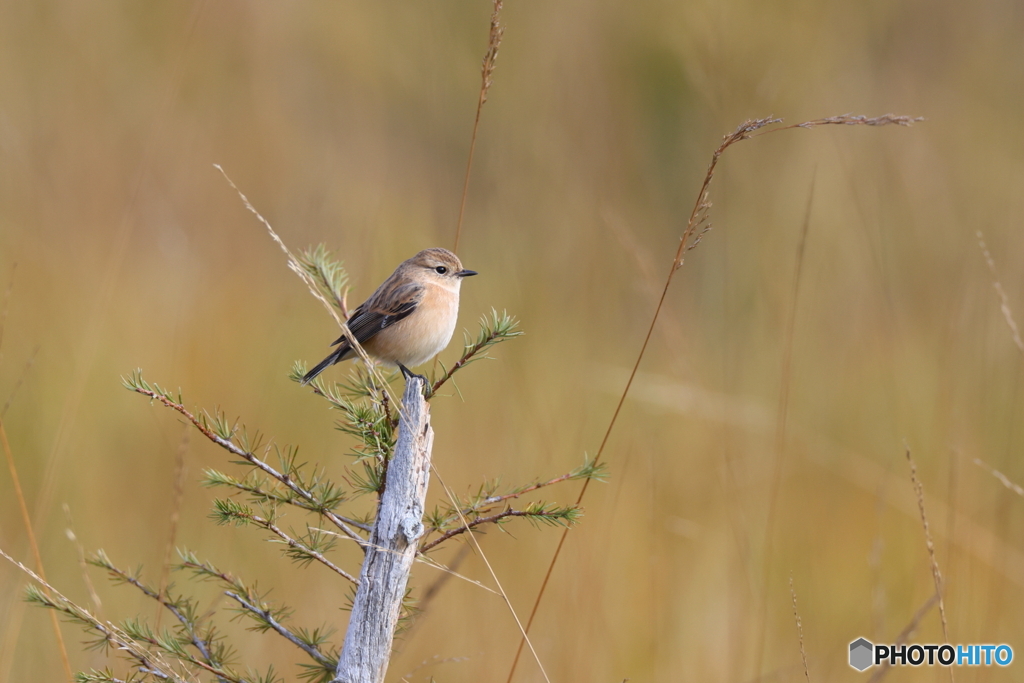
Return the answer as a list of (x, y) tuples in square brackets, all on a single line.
[(266, 617), (136, 384), (504, 514)]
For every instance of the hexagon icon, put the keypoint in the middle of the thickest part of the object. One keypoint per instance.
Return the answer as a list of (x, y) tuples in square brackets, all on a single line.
[(860, 654)]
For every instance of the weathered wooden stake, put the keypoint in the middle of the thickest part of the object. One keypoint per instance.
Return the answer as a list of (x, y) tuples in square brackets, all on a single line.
[(393, 545)]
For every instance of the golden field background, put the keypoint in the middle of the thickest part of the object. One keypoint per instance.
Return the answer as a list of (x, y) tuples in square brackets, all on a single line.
[(348, 123)]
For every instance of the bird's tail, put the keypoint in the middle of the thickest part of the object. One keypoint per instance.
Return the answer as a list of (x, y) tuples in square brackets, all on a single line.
[(323, 365)]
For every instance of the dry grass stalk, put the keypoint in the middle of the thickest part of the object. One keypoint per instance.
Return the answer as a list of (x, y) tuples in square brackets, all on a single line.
[(16, 481), (799, 630), (7, 303), (856, 120), (781, 417), (3, 326), (504, 595), (1016, 488), (936, 574), (27, 521), (296, 267), (83, 565), (1004, 301), (433, 661), (172, 534), (21, 380), (699, 218), (905, 634), (486, 72), (113, 636)]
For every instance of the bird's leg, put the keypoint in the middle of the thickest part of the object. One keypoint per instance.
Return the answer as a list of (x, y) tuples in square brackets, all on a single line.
[(407, 373)]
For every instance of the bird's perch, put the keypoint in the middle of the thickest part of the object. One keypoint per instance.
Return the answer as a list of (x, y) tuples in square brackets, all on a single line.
[(392, 546)]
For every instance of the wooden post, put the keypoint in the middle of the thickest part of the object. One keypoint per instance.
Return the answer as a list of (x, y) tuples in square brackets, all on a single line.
[(393, 545)]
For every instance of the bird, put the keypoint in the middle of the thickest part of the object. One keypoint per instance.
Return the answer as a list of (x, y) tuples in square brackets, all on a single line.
[(410, 318)]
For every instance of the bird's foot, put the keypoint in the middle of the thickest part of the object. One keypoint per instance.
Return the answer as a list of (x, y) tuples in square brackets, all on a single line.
[(407, 373)]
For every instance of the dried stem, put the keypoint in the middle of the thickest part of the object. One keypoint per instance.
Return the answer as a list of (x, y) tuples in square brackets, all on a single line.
[(799, 630), (905, 634), (175, 516), (936, 574), (1003, 479), (504, 596), (83, 563), (781, 418), (698, 217), (21, 380), (296, 266), (486, 71), (27, 521), (1004, 301)]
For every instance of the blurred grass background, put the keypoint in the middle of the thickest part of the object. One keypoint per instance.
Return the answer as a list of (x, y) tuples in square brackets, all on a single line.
[(349, 123)]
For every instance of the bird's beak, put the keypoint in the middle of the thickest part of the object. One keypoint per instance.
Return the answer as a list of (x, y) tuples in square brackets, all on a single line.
[(466, 273)]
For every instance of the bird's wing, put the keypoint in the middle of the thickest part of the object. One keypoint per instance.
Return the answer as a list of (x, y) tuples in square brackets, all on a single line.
[(379, 312)]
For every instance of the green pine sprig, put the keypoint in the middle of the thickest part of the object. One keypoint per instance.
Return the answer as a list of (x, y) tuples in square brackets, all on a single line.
[(329, 275), (495, 329)]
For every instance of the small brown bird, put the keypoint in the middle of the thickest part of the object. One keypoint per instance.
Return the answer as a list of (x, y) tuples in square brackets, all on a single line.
[(410, 318)]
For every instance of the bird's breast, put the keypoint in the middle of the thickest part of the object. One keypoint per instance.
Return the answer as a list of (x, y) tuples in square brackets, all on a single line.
[(423, 334)]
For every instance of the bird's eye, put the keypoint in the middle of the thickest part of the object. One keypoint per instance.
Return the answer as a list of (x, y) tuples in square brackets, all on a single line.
[(441, 270)]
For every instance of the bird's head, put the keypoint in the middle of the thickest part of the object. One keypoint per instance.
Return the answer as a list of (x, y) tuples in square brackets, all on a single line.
[(440, 266)]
